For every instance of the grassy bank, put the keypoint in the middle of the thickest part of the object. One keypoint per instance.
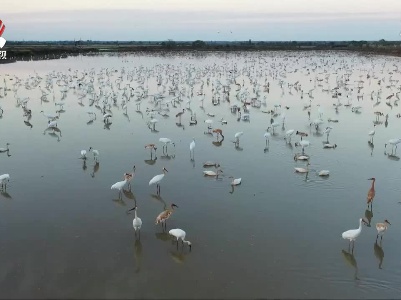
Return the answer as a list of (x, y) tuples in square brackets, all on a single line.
[(17, 51)]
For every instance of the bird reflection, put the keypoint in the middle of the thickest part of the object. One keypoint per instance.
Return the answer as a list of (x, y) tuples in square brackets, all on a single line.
[(218, 143), (129, 194), (151, 161), (167, 157), (120, 202), (232, 189), (392, 156), (163, 236), (96, 167), (369, 215), (160, 199), (5, 194), (178, 256), (138, 255), (90, 122), (84, 167), (27, 123), (350, 259), (379, 253), (371, 146)]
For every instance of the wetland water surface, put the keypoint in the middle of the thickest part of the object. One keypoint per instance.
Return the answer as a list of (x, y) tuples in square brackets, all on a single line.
[(66, 234)]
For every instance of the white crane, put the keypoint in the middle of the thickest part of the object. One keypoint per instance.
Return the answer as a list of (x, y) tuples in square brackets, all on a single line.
[(371, 134), (119, 185), (83, 154), (393, 143), (288, 135), (95, 153), (4, 179), (136, 222), (352, 234), (165, 142), (237, 136), (180, 234), (157, 179)]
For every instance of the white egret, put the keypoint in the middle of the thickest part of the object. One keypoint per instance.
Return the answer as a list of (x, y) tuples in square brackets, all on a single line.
[(327, 132), (303, 144), (157, 179), (372, 133), (180, 234), (267, 136)]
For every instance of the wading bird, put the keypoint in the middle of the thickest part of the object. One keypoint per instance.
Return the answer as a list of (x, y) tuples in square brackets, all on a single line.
[(137, 222), (157, 179), (180, 234), (164, 215), (371, 192), (381, 228), (352, 234)]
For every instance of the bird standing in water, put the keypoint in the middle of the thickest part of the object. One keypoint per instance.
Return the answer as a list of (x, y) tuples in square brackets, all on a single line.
[(371, 192)]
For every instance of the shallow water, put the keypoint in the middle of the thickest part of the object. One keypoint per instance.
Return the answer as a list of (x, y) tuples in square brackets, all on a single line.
[(65, 234)]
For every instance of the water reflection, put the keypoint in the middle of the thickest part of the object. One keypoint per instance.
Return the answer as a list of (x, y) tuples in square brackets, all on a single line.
[(179, 256), (379, 253), (96, 167), (138, 255), (369, 215), (392, 156), (351, 261), (5, 194)]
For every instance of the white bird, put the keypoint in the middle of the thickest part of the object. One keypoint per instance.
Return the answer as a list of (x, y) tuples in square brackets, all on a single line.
[(303, 144), (237, 136), (236, 181), (301, 157), (180, 234), (288, 135), (302, 170), (4, 179), (83, 154), (106, 118), (156, 179), (50, 117), (352, 234), (5, 149), (324, 173), (212, 173), (136, 222), (327, 131), (95, 153), (267, 136), (326, 146), (52, 124), (119, 185), (192, 147), (372, 133), (381, 228), (393, 142), (166, 141)]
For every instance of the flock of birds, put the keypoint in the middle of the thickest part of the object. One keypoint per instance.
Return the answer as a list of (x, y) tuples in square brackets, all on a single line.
[(242, 87)]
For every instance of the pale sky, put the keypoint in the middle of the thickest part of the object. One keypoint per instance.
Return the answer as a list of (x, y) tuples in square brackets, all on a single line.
[(149, 20)]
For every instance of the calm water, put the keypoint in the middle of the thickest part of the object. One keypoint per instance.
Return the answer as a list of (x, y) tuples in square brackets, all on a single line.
[(65, 234)]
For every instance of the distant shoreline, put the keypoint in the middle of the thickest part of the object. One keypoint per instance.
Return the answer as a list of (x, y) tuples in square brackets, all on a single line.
[(24, 51)]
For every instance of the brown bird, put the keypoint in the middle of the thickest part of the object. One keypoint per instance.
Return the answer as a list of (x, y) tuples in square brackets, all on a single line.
[(163, 216), (218, 131), (151, 147), (381, 228), (371, 192)]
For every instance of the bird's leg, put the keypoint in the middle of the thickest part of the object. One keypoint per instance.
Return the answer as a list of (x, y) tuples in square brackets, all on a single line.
[(139, 233), (381, 238)]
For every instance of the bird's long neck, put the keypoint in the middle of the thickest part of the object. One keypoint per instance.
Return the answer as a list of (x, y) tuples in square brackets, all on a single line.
[(136, 217), (360, 225), (373, 184), (187, 242)]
